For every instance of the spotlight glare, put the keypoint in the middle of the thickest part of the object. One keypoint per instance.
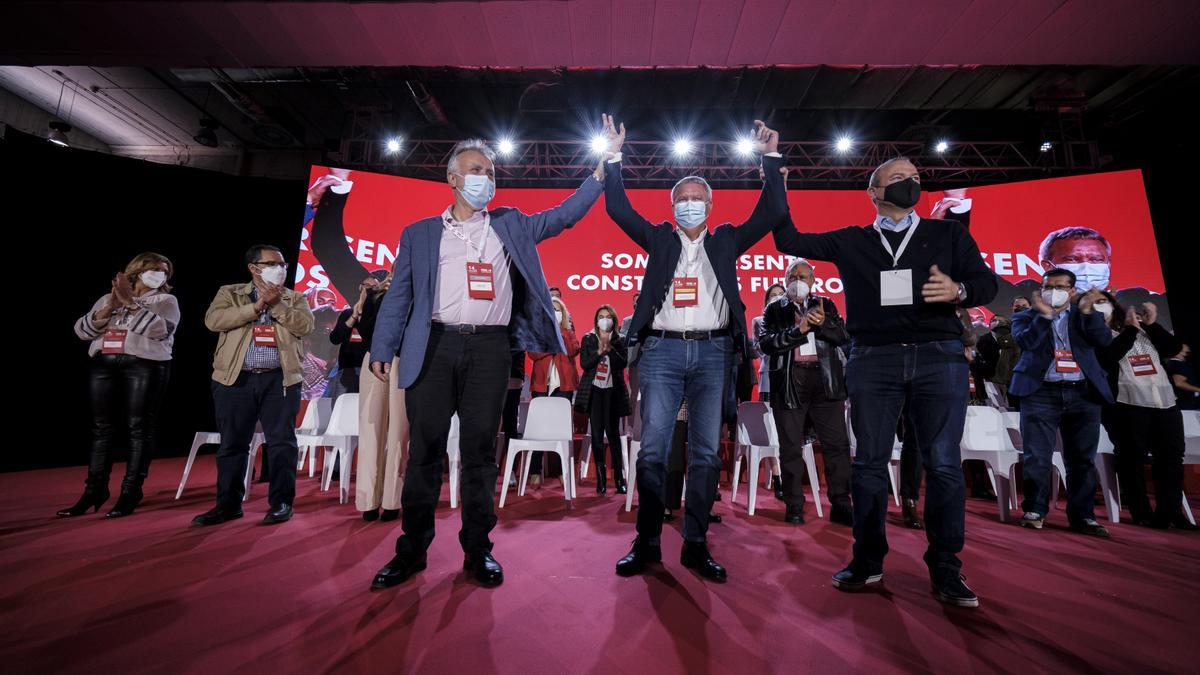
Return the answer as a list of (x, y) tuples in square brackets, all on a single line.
[(942, 146), (682, 147), (599, 144), (745, 147), (844, 143), (393, 145), (1046, 146), (505, 146)]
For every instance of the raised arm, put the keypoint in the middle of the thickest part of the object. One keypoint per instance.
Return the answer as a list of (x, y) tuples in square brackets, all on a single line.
[(329, 246), (616, 202), (553, 221), (812, 245), (772, 201)]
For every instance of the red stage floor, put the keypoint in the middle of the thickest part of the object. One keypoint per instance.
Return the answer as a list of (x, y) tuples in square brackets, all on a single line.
[(148, 594)]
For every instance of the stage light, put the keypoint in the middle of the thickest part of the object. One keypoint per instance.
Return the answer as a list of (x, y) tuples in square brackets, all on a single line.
[(1046, 146), (682, 147), (844, 144), (941, 146), (599, 144), (58, 134), (393, 145), (745, 147), (505, 146)]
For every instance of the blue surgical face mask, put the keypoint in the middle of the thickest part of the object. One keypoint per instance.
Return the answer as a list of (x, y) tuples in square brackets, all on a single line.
[(477, 189), (1088, 275), (689, 214)]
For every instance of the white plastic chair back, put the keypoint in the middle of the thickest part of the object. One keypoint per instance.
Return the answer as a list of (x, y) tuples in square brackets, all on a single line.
[(549, 420), (752, 422), (986, 430), (316, 417), (522, 416), (344, 419)]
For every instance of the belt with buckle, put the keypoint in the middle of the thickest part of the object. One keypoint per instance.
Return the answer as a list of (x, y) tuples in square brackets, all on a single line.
[(1065, 383), (260, 371), (692, 334), (467, 328)]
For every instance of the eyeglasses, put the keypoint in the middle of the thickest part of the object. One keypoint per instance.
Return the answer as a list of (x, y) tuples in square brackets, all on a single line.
[(270, 263)]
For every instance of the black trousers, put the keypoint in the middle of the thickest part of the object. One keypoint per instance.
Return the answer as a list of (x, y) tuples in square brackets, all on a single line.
[(125, 391), (254, 398), (535, 459), (465, 374), (605, 422), (509, 419), (1158, 432), (828, 418), (677, 465)]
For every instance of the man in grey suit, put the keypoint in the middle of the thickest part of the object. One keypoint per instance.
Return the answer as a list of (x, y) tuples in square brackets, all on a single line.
[(468, 290)]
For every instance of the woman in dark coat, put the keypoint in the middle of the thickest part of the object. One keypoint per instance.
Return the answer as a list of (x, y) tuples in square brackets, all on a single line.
[(602, 393)]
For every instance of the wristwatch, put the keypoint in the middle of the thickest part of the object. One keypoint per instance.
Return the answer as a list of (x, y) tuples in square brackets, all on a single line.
[(962, 292)]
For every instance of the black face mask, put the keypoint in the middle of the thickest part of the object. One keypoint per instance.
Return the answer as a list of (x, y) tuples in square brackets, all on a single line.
[(904, 193)]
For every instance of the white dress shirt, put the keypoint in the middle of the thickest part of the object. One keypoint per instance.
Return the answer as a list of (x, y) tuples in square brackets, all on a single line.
[(711, 311), (453, 304)]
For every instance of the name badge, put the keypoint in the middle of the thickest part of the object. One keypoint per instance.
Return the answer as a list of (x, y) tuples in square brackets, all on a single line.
[(479, 281), (355, 336), (1142, 364), (686, 292), (114, 341), (264, 335), (971, 383), (895, 287), (1064, 361), (602, 372)]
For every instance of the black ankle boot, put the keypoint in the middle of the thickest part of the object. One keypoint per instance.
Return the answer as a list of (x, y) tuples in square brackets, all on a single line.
[(94, 495), (619, 481), (126, 503), (777, 487), (601, 479)]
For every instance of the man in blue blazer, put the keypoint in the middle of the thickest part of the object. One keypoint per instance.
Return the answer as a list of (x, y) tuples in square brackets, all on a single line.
[(1061, 386), (468, 290), (690, 322)]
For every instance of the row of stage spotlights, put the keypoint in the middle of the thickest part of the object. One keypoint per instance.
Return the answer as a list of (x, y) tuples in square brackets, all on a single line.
[(682, 147)]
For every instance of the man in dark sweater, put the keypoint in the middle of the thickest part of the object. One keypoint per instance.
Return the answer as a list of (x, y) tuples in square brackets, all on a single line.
[(904, 278)]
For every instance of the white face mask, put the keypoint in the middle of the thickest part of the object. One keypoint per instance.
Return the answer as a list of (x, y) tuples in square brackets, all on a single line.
[(1055, 297), (797, 290), (558, 317), (605, 324), (1104, 308), (274, 275), (690, 214), (1088, 275), (153, 278), (477, 189)]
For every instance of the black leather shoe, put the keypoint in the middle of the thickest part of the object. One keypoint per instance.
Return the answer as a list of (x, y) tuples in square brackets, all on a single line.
[(485, 569), (794, 515), (125, 505), (851, 578), (638, 557), (668, 515), (371, 515), (953, 590), (1090, 527), (389, 515), (619, 482), (912, 519), (216, 516), (842, 514), (695, 556), (777, 486), (714, 518), (277, 515), (398, 570)]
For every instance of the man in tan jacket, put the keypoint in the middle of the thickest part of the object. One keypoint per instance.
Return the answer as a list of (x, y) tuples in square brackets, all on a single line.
[(256, 377)]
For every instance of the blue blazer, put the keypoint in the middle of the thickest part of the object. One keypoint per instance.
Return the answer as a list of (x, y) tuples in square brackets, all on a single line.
[(1033, 334), (406, 313)]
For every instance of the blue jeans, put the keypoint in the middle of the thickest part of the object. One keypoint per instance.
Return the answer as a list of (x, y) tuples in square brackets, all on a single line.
[(931, 377), (671, 370), (1044, 413)]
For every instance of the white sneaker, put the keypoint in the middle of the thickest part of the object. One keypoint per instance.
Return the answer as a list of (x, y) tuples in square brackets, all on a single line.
[(1032, 519)]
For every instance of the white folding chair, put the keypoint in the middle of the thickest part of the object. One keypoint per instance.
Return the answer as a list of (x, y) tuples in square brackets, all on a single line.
[(548, 429), (454, 454), (214, 438), (758, 440), (316, 419), (1191, 451), (1106, 469), (893, 464), (339, 440), (987, 438)]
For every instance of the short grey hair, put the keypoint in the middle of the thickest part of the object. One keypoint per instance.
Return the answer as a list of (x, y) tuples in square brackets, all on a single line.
[(796, 263), (871, 180), (477, 144), (1075, 232), (697, 180)]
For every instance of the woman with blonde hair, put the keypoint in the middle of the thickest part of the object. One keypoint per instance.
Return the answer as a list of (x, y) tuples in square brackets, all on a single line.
[(555, 374), (130, 332)]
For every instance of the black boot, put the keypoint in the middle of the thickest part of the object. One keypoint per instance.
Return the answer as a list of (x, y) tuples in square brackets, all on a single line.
[(777, 486), (601, 479), (95, 493), (619, 482), (126, 503)]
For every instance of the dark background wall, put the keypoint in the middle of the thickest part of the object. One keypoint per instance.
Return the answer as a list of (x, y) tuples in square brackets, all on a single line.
[(72, 219)]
